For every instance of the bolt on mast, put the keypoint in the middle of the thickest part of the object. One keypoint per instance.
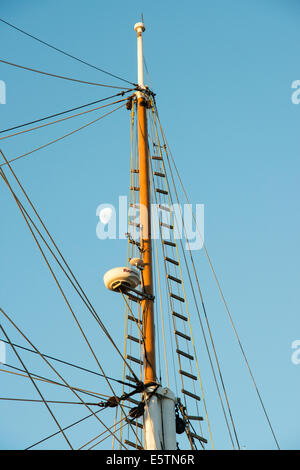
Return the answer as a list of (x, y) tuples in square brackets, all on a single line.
[(159, 416)]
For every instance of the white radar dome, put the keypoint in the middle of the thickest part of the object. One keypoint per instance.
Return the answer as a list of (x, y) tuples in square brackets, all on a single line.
[(121, 278)]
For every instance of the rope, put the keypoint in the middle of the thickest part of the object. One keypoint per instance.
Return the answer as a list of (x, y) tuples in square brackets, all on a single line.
[(37, 389), (103, 432), (64, 429), (58, 120), (50, 381), (184, 292), (196, 304), (54, 370), (85, 299), (222, 295), (68, 363), (62, 137)]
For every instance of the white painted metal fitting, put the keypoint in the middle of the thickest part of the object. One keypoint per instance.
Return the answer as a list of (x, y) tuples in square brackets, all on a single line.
[(139, 27)]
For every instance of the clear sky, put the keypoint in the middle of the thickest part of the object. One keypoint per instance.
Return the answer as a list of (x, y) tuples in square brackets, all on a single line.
[(222, 72)]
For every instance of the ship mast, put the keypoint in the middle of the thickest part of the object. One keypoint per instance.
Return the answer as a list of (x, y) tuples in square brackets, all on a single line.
[(159, 416)]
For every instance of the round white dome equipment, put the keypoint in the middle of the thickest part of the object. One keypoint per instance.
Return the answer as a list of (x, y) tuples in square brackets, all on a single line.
[(121, 278), (138, 262)]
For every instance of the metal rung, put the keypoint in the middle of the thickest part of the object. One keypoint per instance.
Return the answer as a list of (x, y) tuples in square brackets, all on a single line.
[(134, 188), (182, 353), (134, 423), (177, 297), (187, 374), (162, 224), (182, 317), (178, 333), (192, 395), (135, 224), (134, 242), (164, 208), (136, 320), (134, 170), (194, 418), (132, 400), (134, 359), (166, 242), (132, 444), (154, 157), (171, 261), (175, 279), (157, 173), (133, 297), (161, 191), (136, 340), (195, 436), (131, 379)]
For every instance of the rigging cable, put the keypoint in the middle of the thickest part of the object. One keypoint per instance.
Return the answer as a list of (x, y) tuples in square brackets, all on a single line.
[(68, 364), (25, 216), (64, 112), (64, 52), (62, 137), (23, 211), (196, 304), (37, 388), (85, 299), (53, 368), (54, 75), (185, 298), (62, 119), (64, 429), (28, 220), (221, 293), (50, 381)]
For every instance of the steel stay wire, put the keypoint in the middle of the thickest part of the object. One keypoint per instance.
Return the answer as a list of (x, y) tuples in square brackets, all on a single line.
[(85, 299), (62, 137), (23, 213), (64, 429), (52, 367), (74, 316), (64, 52), (48, 74), (50, 381), (69, 364), (64, 112), (37, 389)]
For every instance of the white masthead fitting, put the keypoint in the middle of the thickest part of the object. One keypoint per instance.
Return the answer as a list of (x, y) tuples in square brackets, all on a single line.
[(140, 28)]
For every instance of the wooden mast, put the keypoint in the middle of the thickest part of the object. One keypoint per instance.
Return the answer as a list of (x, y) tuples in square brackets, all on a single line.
[(159, 415), (145, 220)]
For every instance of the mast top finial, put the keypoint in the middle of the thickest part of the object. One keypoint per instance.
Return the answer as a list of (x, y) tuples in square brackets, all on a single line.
[(139, 27)]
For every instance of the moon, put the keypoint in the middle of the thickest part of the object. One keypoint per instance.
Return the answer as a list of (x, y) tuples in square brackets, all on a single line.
[(105, 215)]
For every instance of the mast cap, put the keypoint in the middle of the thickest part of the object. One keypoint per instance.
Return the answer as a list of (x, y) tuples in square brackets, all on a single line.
[(139, 27)]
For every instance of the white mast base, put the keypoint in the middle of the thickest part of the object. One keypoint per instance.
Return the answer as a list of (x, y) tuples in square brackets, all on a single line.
[(159, 420)]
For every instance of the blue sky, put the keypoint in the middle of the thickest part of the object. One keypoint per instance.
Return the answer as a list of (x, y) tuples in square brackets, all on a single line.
[(222, 72)]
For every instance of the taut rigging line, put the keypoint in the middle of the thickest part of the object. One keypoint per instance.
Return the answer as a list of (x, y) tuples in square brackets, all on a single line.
[(122, 93), (65, 53), (60, 76)]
